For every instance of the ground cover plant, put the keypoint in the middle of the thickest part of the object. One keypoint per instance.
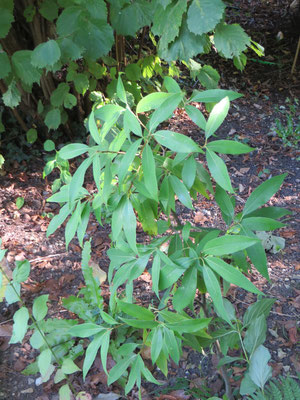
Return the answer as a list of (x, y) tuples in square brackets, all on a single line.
[(141, 172)]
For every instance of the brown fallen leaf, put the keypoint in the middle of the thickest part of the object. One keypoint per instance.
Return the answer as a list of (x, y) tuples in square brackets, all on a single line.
[(293, 335), (98, 272), (199, 218), (6, 330)]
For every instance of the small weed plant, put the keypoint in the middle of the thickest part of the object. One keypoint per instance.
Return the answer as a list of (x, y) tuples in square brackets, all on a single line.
[(287, 127), (141, 173)]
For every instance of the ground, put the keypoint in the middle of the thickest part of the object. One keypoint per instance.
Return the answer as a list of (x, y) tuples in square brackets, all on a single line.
[(57, 271)]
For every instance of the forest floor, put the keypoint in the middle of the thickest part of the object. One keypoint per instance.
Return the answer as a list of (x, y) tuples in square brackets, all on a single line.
[(56, 271)]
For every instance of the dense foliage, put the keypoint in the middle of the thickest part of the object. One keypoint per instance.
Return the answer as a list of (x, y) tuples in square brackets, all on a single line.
[(142, 173), (56, 56)]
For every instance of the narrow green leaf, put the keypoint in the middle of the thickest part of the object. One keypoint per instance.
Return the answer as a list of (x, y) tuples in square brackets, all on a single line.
[(40, 308), (20, 325), (129, 224), (188, 173), (91, 353), (213, 287), (228, 244), (78, 179), (176, 142), (225, 204), (261, 307), (165, 111), (156, 344), (172, 345), (261, 224), (214, 95), (94, 131), (104, 349), (218, 170), (196, 116), (58, 219), (86, 330), (230, 274), (118, 370), (131, 124), (152, 101), (189, 325), (255, 334), (140, 323), (84, 220), (185, 294), (73, 150), (136, 311), (21, 271), (72, 224), (155, 272), (229, 147), (149, 171), (217, 117), (181, 191), (263, 193), (270, 212), (121, 91)]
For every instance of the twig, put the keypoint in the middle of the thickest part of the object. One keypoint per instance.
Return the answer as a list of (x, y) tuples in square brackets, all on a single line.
[(296, 57), (40, 259)]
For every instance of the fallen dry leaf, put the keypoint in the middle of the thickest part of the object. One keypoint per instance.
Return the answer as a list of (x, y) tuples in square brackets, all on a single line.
[(98, 272), (199, 218), (5, 330)]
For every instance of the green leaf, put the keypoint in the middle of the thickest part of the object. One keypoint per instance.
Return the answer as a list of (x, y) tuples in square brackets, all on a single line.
[(156, 343), (256, 253), (261, 224), (213, 287), (133, 72), (188, 173), (58, 95), (176, 142), (40, 308), (152, 101), (129, 19), (81, 83), (118, 370), (6, 19), (65, 392), (228, 244), (44, 361), (240, 61), (208, 77), (70, 101), (217, 116), (78, 179), (24, 70), (259, 370), (140, 323), (131, 124), (185, 294), (49, 10), (21, 271), (255, 334), (69, 367), (91, 352), (31, 135), (230, 40), (136, 311), (73, 150), (121, 91), (5, 65), (135, 375), (196, 116), (12, 293), (185, 46), (12, 97), (167, 22), (181, 191), (189, 325), (20, 202), (172, 345), (247, 387), (230, 274), (104, 348), (85, 216), (20, 325), (129, 224), (53, 118), (58, 219), (155, 272), (85, 330), (218, 170), (165, 111), (49, 145), (229, 147), (203, 15), (214, 95), (263, 193), (149, 172), (270, 212), (261, 307), (72, 224), (45, 54), (225, 204)]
